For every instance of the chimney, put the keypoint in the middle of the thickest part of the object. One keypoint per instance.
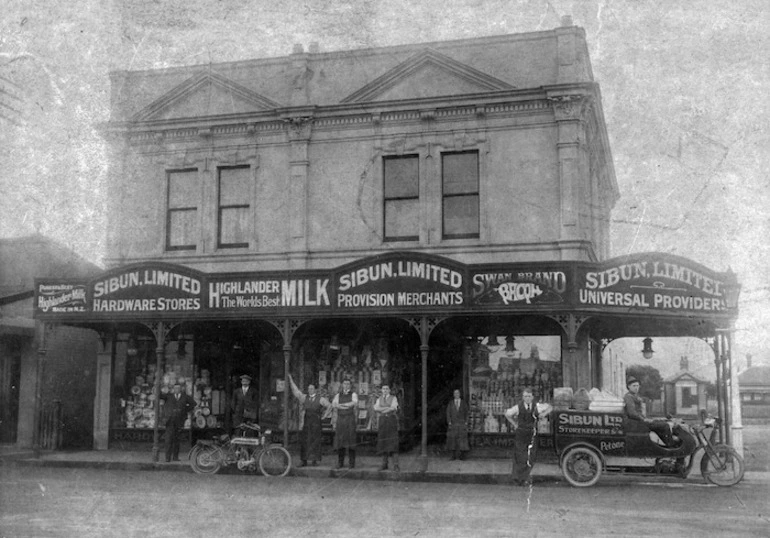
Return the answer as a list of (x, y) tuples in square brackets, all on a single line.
[(683, 366), (314, 48), (748, 360), (566, 20), (297, 49)]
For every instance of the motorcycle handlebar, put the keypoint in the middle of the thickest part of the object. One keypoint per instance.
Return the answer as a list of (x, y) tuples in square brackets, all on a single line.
[(249, 426)]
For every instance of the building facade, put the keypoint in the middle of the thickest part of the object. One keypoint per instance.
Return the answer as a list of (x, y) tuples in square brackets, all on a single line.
[(388, 215)]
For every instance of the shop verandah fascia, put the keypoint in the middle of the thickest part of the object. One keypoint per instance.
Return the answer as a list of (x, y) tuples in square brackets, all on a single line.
[(422, 323)]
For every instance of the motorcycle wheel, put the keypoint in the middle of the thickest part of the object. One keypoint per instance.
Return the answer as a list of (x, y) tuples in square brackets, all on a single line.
[(206, 460), (726, 468), (275, 461), (581, 466)]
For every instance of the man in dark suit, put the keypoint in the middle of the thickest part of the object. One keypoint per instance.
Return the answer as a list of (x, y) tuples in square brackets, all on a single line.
[(245, 402), (457, 414), (176, 408)]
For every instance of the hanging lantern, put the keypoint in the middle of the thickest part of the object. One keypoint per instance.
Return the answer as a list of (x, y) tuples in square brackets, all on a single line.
[(647, 350), (492, 341), (181, 347), (334, 343), (131, 349), (732, 290), (509, 344)]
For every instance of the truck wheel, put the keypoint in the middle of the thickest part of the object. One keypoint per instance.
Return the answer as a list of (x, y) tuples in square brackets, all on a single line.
[(724, 468), (581, 466), (206, 460)]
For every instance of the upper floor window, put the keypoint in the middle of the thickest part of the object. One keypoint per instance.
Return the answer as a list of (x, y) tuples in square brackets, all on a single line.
[(402, 198), (182, 211), (460, 194), (233, 207)]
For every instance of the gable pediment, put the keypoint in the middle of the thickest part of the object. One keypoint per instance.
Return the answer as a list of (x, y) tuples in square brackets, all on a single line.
[(427, 74), (205, 94)]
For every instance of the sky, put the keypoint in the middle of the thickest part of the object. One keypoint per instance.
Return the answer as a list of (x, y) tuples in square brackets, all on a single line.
[(683, 83)]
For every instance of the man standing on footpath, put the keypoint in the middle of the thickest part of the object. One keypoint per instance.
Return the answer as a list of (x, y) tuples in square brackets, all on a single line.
[(245, 402), (457, 415), (177, 405), (346, 404), (524, 417)]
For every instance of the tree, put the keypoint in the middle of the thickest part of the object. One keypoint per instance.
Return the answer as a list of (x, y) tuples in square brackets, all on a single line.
[(650, 379)]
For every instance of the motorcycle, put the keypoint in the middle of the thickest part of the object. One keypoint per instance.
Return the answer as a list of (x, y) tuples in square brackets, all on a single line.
[(590, 443), (249, 450)]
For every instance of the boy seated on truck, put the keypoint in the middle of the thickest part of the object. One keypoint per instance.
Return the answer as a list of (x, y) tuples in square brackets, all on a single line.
[(634, 410)]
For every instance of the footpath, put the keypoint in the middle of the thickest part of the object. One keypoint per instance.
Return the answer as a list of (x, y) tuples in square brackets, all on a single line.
[(414, 468)]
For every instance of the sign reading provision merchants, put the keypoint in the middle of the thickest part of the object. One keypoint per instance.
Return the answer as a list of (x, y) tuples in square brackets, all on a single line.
[(400, 281)]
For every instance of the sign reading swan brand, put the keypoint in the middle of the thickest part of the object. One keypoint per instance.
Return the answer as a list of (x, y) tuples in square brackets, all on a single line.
[(519, 286), (152, 289), (61, 297), (666, 283), (399, 282), (243, 293)]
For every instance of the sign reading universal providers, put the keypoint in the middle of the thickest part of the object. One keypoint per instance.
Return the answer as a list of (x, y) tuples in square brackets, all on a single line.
[(663, 282)]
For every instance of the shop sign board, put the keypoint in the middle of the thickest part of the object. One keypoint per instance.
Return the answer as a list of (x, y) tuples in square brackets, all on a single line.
[(393, 282), (651, 282), (149, 289), (61, 298), (265, 293), (588, 424), (400, 281), (520, 286)]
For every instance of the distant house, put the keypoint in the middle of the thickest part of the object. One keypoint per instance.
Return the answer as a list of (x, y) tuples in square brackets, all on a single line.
[(754, 386), (684, 393), (68, 372)]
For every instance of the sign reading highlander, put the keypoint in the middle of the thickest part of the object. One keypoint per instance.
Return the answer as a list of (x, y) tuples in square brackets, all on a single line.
[(61, 298), (243, 293)]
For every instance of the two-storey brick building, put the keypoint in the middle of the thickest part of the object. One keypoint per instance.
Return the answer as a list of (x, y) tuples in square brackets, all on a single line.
[(383, 215)]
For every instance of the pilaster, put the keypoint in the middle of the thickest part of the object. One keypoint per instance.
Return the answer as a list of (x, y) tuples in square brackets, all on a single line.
[(299, 132), (570, 110)]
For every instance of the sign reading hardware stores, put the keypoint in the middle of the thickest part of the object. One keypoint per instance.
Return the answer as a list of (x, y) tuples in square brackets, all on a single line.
[(662, 282), (400, 282), (149, 289)]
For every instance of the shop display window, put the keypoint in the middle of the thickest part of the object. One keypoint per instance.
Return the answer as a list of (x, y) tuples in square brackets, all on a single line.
[(134, 379), (500, 368)]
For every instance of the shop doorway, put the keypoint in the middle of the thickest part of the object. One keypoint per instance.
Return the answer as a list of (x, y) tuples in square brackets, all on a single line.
[(446, 372), (10, 379)]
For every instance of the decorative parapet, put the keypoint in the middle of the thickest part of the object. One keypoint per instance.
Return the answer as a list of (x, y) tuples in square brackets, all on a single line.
[(571, 107)]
